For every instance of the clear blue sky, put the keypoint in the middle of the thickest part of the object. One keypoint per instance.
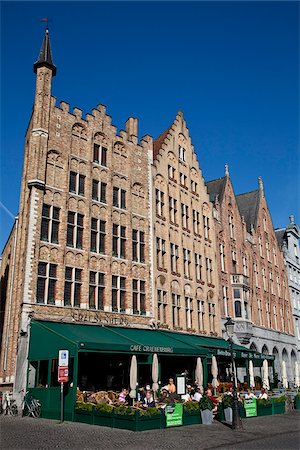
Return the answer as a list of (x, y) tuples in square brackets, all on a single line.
[(232, 67)]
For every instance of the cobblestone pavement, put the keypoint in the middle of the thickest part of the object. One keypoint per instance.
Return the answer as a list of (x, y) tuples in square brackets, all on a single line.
[(270, 432)]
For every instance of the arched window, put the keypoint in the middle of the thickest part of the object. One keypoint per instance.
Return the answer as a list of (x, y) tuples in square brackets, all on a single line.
[(237, 308), (265, 350)]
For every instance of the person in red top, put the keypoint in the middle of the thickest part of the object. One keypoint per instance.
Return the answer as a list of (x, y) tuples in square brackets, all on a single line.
[(208, 394)]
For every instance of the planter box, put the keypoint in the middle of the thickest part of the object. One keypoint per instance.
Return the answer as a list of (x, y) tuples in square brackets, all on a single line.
[(265, 410), (154, 422), (84, 416), (207, 417), (297, 402), (192, 418), (228, 414), (242, 412), (127, 422), (278, 407), (103, 419)]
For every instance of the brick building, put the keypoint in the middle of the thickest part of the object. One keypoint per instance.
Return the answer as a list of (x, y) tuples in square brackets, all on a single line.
[(253, 281)]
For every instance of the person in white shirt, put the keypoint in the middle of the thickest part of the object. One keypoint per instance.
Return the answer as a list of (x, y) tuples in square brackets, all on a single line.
[(197, 396), (263, 394), (249, 394)]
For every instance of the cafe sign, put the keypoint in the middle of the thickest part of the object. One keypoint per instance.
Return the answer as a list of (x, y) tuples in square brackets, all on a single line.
[(151, 349)]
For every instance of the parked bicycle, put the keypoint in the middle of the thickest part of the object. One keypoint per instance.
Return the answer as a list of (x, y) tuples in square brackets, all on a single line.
[(31, 406), (9, 405)]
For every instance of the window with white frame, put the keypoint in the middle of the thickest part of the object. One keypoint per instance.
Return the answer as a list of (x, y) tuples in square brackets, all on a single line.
[(268, 250), (171, 172), (290, 273), (119, 198), (73, 284), (76, 184), (183, 180), (196, 222), (255, 269), (198, 267), (176, 310), (237, 302), (260, 246), (162, 305), (46, 283), (265, 223), (187, 262), (274, 256), (212, 316), (118, 293), (245, 266), (225, 300), (259, 309), (201, 312), (231, 225), (264, 279), (271, 283), (159, 202), (194, 187), (75, 229), (189, 312), (100, 155), (281, 319), (99, 191), (174, 258), (268, 315), (222, 257), (96, 290), (160, 253), (50, 224), (138, 297), (98, 235), (173, 210), (209, 270), (181, 153), (296, 251), (278, 286), (275, 317), (185, 216), (138, 246), (206, 227), (119, 241)]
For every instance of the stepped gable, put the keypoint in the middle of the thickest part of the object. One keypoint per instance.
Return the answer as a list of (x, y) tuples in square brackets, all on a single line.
[(248, 204)]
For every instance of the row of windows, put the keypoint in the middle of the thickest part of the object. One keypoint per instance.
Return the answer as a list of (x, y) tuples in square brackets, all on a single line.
[(75, 227), (183, 180), (188, 307), (47, 283)]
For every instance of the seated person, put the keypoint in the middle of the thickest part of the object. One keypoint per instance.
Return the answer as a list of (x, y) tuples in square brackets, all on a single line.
[(187, 396), (171, 386), (249, 394), (208, 394), (149, 400), (263, 394), (198, 395), (123, 395), (164, 396)]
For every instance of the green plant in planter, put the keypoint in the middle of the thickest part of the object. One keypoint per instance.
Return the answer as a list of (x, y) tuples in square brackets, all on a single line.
[(124, 410), (264, 402), (206, 403), (280, 399), (155, 411), (227, 401), (104, 407), (189, 407), (82, 406)]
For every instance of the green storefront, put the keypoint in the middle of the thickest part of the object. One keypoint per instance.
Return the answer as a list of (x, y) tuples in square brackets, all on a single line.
[(100, 358)]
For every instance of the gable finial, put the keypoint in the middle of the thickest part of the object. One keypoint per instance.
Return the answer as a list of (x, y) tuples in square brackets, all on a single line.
[(260, 184), (226, 170)]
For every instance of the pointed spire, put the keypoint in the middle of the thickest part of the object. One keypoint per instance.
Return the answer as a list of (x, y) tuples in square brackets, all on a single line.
[(226, 170), (260, 184), (45, 55)]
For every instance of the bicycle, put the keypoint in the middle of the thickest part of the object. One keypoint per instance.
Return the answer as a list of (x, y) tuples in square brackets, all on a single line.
[(9, 406), (31, 406)]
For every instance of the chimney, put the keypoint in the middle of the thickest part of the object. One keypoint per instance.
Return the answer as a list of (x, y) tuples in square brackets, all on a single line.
[(132, 127)]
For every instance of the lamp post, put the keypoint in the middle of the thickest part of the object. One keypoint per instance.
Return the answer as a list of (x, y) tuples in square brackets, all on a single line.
[(236, 419)]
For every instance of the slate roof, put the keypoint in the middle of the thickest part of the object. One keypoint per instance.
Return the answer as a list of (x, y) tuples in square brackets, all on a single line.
[(280, 236), (158, 142), (216, 188), (248, 204), (45, 55)]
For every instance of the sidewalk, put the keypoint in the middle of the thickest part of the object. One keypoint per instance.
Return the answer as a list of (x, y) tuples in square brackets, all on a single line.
[(270, 432)]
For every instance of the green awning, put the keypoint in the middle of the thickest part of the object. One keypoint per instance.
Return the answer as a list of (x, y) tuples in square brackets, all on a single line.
[(48, 337)]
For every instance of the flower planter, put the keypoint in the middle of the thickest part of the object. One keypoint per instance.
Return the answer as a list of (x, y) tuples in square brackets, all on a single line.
[(191, 418), (264, 410), (207, 417), (104, 419), (126, 421), (84, 416), (228, 414), (278, 407), (147, 422)]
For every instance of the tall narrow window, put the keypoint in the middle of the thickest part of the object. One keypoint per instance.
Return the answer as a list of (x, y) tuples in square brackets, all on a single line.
[(118, 293), (98, 235), (174, 258), (255, 270), (183, 180), (264, 279), (245, 266), (194, 187), (268, 250), (138, 297), (76, 185), (274, 256), (176, 310), (268, 315), (189, 312), (231, 226), (72, 295), (187, 262), (159, 202), (100, 155), (222, 257), (208, 270), (275, 317), (181, 153), (206, 227), (119, 241), (138, 246), (160, 253), (75, 230), (99, 191), (278, 286), (185, 216), (201, 312), (171, 172), (198, 267), (260, 246), (119, 198), (173, 210), (162, 305), (271, 283), (50, 224), (46, 283), (196, 222), (259, 309), (212, 316), (225, 300), (96, 290), (281, 319)]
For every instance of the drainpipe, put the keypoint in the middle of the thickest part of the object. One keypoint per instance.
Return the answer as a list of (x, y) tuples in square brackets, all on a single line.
[(10, 297)]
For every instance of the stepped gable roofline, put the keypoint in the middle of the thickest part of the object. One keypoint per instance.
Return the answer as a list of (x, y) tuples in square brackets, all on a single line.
[(157, 144), (216, 188), (248, 205), (45, 55)]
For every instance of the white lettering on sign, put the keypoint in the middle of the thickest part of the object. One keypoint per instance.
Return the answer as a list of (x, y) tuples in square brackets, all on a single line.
[(151, 349)]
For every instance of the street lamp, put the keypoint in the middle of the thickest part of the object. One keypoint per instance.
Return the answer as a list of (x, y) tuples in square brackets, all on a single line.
[(236, 419)]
